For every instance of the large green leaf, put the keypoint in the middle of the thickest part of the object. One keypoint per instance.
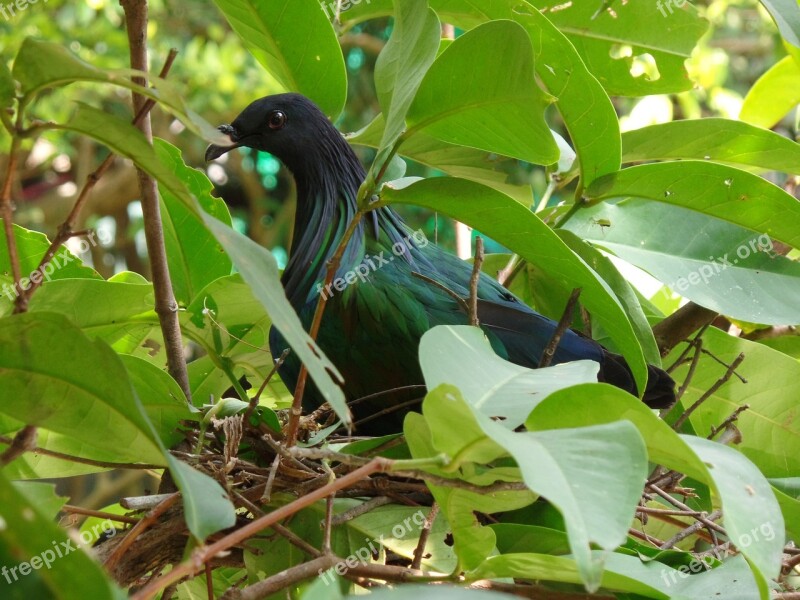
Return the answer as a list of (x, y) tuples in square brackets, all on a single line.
[(260, 270), (195, 257), (632, 574), (462, 356), (7, 91), (753, 518), (40, 65), (586, 109), (484, 167), (721, 140), (205, 503), (770, 428), (39, 560), (715, 190), (481, 93), (31, 248), (54, 377), (524, 233), (749, 505), (611, 41), (724, 267), (295, 43), (773, 95), (553, 464), (786, 15), (403, 62)]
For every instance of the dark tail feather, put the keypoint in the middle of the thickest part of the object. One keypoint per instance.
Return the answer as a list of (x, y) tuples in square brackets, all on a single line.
[(660, 392)]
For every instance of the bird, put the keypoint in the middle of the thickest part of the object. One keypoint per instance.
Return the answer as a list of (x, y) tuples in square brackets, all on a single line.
[(392, 284)]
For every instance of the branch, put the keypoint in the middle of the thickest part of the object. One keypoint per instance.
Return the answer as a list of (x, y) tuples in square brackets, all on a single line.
[(561, 328), (165, 306), (718, 384), (680, 324), (473, 282), (282, 580)]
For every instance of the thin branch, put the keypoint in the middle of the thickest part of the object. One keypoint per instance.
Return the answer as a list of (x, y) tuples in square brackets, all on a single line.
[(24, 441), (84, 461), (360, 509), (77, 510), (424, 534), (473, 282), (561, 328), (728, 421), (165, 305), (698, 346), (718, 384), (282, 580), (691, 530)]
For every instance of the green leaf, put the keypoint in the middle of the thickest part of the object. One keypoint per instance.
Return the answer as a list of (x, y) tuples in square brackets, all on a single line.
[(621, 288), (194, 256), (431, 592), (463, 356), (260, 270), (403, 62), (770, 429), (29, 537), (31, 248), (715, 190), (81, 387), (721, 140), (724, 267), (483, 167), (481, 93), (773, 95), (614, 43), (749, 506), (786, 15), (207, 506), (790, 508), (525, 234), (631, 574), (295, 43), (553, 464), (40, 65), (753, 518)]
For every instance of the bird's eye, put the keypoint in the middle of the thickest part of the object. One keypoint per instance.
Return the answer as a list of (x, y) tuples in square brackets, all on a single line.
[(276, 119)]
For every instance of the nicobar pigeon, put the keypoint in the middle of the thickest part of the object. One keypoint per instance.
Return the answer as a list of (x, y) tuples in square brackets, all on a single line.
[(371, 329)]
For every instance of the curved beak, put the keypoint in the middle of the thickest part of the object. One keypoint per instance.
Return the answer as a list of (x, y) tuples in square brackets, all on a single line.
[(214, 151)]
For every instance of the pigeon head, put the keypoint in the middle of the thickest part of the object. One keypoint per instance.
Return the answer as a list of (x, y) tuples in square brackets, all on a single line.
[(293, 129)]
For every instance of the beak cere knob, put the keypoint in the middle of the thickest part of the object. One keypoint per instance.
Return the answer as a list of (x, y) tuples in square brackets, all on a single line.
[(214, 151)]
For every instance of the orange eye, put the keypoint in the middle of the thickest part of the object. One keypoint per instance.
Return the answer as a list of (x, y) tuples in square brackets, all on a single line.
[(276, 119)]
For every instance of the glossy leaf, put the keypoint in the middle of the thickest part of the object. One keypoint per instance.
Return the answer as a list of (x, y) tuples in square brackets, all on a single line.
[(553, 464), (40, 357), (462, 356), (770, 430), (715, 190), (29, 537), (40, 65), (634, 49), (403, 62), (524, 233), (786, 15), (481, 93), (721, 140), (727, 268), (194, 256), (773, 95), (295, 43)]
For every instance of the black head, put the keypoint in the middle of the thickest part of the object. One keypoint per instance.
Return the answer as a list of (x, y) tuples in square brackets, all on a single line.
[(290, 127)]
